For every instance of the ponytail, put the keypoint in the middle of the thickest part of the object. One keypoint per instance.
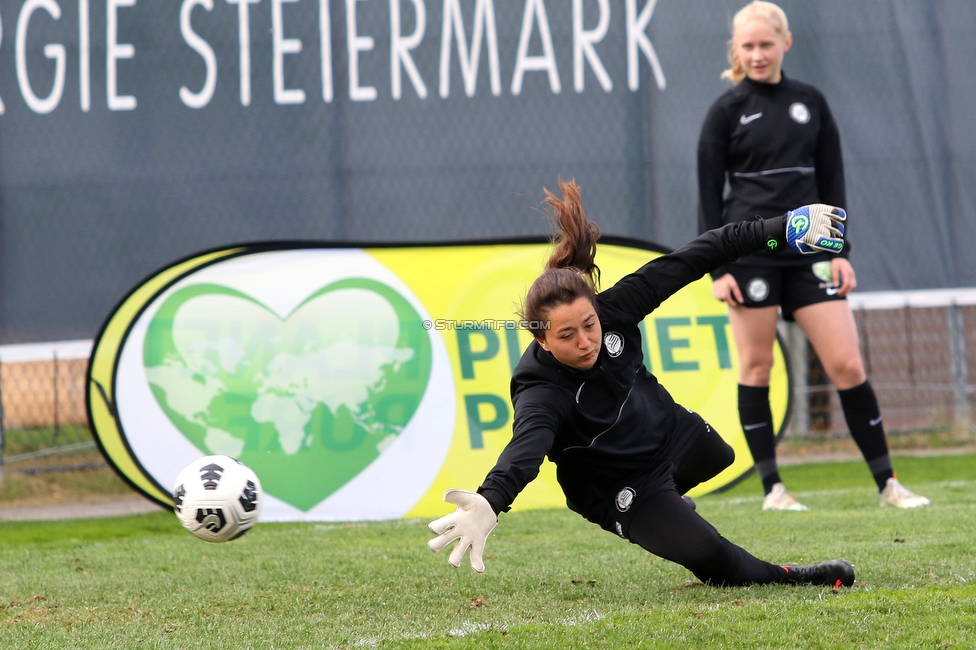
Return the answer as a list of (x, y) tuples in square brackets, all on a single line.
[(576, 235), (571, 272), (736, 73)]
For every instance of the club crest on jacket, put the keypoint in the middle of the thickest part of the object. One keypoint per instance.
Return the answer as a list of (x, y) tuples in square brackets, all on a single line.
[(614, 343)]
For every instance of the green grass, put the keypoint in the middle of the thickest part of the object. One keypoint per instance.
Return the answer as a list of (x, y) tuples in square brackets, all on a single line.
[(20, 441), (552, 579), (75, 447), (18, 489)]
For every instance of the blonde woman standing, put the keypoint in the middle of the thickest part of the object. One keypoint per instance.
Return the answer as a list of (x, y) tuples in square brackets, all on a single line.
[(775, 142)]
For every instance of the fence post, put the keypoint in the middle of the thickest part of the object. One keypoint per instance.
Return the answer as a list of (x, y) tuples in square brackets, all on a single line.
[(57, 421), (799, 371), (3, 431), (960, 367)]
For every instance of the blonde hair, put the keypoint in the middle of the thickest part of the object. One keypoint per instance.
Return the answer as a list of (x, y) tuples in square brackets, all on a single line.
[(757, 10)]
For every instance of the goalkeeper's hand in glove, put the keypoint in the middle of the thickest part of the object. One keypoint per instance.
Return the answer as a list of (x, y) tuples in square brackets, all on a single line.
[(814, 228), (471, 524)]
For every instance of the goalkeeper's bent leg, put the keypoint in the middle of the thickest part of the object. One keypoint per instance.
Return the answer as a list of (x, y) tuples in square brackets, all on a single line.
[(666, 527)]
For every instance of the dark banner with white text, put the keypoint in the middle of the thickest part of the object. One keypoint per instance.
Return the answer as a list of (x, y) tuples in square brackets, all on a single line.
[(134, 132)]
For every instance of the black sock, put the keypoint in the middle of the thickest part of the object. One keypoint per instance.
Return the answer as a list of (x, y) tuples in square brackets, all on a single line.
[(864, 420), (757, 424)]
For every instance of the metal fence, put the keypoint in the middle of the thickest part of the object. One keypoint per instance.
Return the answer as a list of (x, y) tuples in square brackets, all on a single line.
[(918, 348), (42, 387)]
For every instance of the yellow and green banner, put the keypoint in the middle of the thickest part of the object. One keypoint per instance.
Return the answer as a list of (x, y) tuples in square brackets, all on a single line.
[(360, 383)]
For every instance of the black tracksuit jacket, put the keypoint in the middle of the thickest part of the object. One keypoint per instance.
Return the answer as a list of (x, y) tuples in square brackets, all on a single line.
[(614, 421), (779, 148)]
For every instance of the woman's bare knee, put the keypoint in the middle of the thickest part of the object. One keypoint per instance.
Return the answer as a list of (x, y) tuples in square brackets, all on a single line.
[(755, 371), (846, 373)]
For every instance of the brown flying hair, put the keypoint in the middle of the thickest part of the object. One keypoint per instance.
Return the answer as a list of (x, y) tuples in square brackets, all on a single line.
[(570, 273)]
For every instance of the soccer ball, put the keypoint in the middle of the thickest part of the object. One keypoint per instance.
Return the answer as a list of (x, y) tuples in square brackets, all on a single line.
[(217, 498)]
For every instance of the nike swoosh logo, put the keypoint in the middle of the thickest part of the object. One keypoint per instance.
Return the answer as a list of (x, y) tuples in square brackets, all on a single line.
[(875, 422), (750, 427), (832, 291), (745, 119)]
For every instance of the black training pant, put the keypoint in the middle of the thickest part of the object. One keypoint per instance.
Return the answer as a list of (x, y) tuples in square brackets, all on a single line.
[(661, 522), (668, 527)]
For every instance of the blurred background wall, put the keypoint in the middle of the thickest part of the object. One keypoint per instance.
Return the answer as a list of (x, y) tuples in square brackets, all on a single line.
[(136, 132)]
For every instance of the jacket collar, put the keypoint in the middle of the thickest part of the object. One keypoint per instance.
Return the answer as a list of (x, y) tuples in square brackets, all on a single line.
[(760, 87)]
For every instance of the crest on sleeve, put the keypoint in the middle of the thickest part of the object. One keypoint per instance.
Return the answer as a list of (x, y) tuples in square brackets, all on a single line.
[(614, 344)]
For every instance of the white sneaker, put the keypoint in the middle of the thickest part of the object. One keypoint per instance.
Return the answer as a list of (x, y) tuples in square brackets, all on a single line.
[(897, 495), (779, 499)]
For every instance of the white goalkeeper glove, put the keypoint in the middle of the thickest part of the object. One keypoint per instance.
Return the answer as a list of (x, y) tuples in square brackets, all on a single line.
[(816, 227), (471, 523)]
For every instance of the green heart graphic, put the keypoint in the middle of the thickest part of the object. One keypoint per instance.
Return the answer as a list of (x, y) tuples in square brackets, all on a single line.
[(308, 401)]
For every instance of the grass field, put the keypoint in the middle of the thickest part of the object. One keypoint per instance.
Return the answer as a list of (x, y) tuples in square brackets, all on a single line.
[(552, 579), (29, 454)]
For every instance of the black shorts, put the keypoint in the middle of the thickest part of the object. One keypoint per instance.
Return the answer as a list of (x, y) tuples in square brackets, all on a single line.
[(787, 287), (695, 453), (649, 511)]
